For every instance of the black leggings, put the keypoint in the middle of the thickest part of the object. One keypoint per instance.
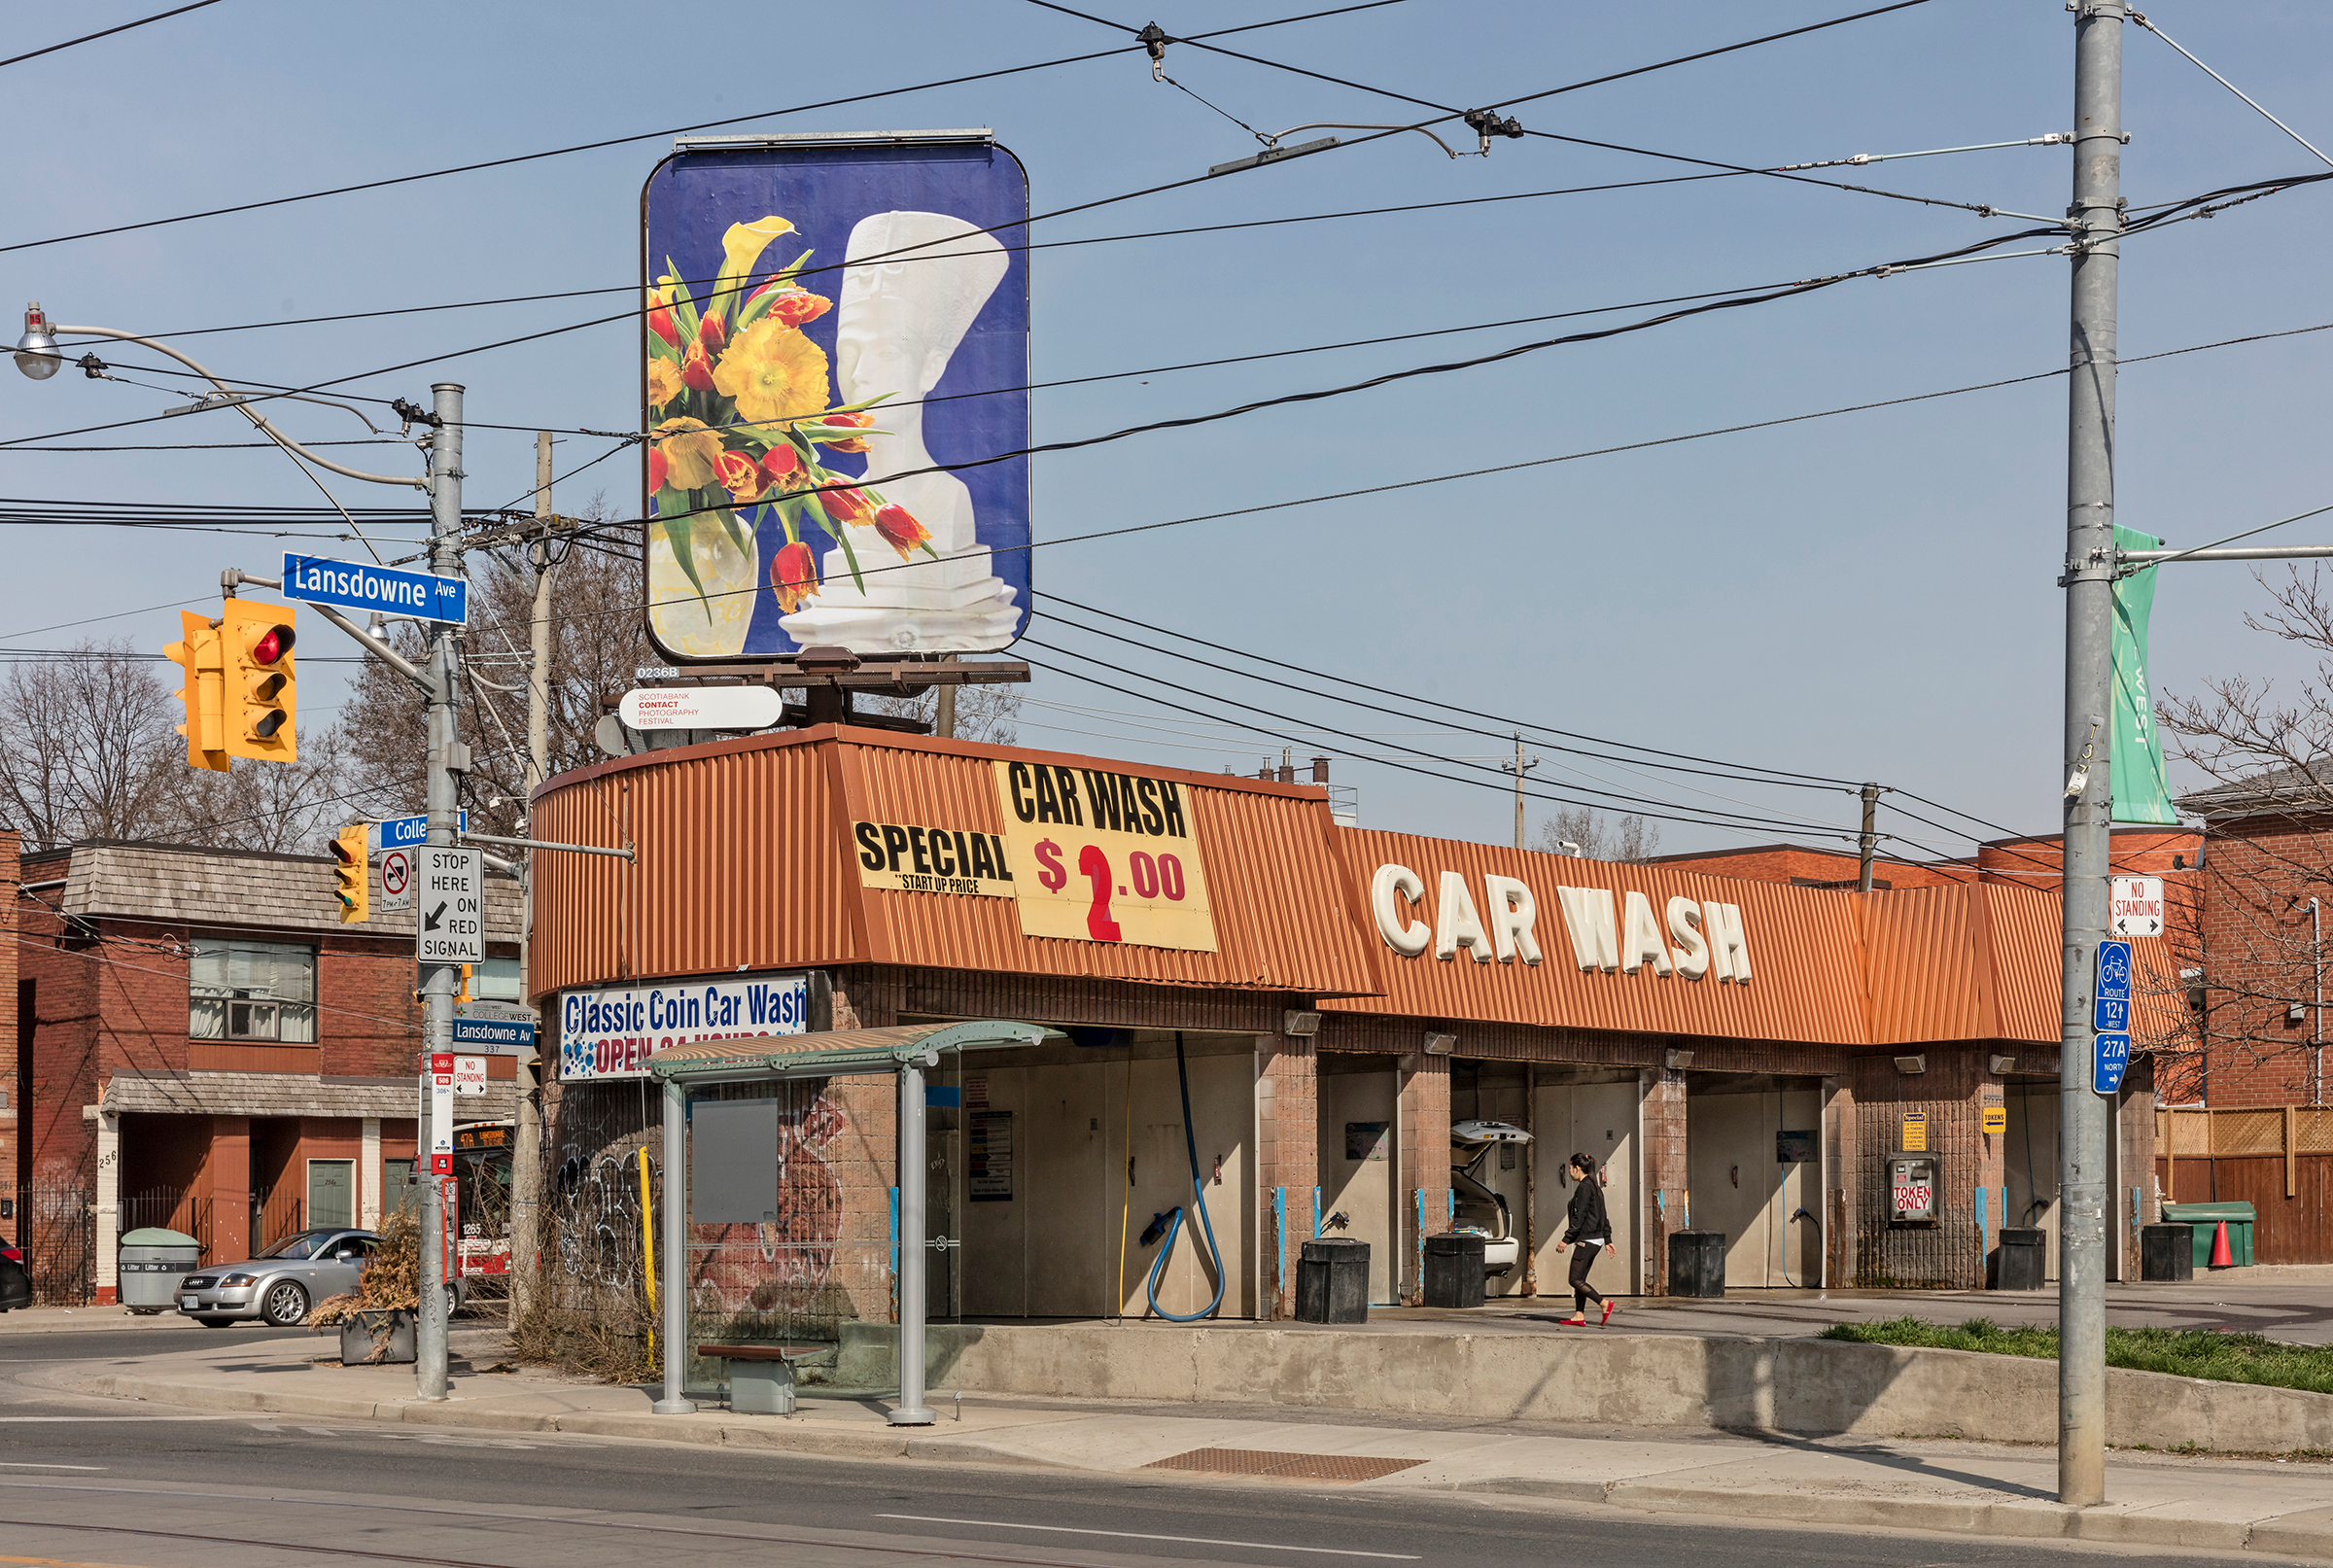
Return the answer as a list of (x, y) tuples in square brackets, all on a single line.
[(1584, 1253)]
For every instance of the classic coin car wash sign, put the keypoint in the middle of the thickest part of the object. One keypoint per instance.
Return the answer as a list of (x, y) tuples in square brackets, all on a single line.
[(1104, 856), (612, 1031)]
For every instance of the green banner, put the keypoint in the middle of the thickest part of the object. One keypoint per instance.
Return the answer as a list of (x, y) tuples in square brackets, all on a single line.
[(2142, 792)]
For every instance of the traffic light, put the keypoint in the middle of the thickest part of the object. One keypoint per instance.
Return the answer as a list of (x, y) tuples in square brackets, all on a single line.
[(261, 689), (353, 882), (199, 656)]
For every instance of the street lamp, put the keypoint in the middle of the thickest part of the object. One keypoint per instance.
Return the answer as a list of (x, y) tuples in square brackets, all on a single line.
[(36, 351), (39, 356)]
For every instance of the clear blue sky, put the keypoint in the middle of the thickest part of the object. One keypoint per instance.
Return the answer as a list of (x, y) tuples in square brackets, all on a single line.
[(1870, 596)]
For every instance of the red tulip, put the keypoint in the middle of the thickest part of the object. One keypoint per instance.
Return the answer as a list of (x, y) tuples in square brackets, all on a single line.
[(660, 317), (798, 305), (900, 530), (711, 334), (740, 476), (847, 444), (657, 469), (696, 368), (847, 504), (781, 466), (793, 576)]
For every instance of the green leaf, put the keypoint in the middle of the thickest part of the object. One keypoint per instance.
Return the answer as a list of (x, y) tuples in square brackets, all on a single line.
[(670, 501), (729, 521), (850, 555)]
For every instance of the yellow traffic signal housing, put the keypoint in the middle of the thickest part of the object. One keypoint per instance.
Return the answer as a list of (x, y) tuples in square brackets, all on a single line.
[(462, 986), (204, 694), (261, 688), (353, 881)]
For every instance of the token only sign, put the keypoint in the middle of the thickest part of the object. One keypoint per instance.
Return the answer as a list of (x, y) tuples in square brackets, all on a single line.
[(451, 909), (441, 1083), (396, 881)]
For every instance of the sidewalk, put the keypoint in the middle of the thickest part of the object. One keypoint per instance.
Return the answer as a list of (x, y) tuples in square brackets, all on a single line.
[(1999, 1490)]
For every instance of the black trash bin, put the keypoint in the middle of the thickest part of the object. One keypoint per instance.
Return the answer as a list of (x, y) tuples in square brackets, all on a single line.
[(1697, 1264), (2167, 1252), (2022, 1260), (1332, 1282), (1455, 1271)]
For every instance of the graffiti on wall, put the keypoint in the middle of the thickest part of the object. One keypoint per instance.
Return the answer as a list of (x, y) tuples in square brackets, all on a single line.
[(779, 1267)]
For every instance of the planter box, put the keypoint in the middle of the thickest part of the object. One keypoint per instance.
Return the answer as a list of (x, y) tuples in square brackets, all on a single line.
[(377, 1339)]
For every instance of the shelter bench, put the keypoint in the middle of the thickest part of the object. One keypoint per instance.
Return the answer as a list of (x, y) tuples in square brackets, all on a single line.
[(761, 1376)]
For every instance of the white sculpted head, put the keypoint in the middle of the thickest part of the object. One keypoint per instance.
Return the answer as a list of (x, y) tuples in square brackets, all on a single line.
[(899, 321)]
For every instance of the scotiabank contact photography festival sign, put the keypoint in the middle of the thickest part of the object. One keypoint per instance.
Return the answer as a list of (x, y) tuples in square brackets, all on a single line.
[(830, 321)]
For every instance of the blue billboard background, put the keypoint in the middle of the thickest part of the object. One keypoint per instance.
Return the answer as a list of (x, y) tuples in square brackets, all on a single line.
[(825, 191)]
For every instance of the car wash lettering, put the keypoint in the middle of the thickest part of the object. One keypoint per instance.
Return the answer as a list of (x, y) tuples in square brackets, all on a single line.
[(1611, 932), (1099, 855), (931, 859), (612, 1032)]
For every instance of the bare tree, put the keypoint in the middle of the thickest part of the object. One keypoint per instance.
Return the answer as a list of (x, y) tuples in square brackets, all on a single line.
[(94, 752), (2269, 815), (1599, 837), (598, 641), (984, 714)]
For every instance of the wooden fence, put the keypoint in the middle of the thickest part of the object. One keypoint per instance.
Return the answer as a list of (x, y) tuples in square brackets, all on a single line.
[(2277, 1158)]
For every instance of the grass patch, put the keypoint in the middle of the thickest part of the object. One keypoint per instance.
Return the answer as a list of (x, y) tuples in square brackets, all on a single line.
[(2228, 1358)]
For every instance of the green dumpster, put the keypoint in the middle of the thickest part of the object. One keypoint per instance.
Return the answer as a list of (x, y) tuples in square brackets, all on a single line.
[(2207, 1218)]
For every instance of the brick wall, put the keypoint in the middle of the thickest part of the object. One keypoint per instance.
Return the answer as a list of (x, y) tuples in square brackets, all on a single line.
[(1424, 1147), (1287, 1157), (1662, 1169), (12, 1095), (2258, 962)]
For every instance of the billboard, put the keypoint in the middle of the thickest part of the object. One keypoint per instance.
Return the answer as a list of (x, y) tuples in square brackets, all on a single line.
[(832, 326)]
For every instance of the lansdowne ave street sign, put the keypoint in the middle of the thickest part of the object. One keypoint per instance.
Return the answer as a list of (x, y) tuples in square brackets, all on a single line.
[(416, 595)]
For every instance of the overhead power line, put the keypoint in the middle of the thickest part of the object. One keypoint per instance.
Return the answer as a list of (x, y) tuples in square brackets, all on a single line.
[(90, 38), (641, 136)]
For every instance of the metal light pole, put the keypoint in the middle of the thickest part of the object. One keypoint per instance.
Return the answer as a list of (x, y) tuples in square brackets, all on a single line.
[(526, 1159), (911, 1411), (2096, 218), (448, 759)]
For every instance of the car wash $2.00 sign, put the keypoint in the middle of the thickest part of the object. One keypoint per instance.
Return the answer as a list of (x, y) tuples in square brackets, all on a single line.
[(1104, 856)]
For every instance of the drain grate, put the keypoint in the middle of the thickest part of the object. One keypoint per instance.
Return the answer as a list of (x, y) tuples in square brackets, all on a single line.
[(1341, 1467)]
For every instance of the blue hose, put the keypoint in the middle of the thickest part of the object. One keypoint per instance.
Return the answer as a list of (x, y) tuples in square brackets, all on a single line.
[(1174, 1215)]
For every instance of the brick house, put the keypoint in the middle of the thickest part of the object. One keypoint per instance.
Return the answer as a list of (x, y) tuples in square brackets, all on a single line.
[(202, 1045)]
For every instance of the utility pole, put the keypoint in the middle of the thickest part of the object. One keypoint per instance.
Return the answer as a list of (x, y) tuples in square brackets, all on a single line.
[(1518, 767), (1869, 841), (944, 720), (448, 759), (2096, 218), (526, 1158)]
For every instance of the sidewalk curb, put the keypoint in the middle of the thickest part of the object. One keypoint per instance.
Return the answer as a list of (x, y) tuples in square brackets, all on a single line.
[(2035, 1521)]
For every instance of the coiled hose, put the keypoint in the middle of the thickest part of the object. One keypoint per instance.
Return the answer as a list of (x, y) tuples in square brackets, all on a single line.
[(1171, 1222)]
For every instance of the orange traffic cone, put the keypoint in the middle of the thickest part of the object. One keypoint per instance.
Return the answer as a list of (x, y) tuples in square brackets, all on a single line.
[(2221, 1256)]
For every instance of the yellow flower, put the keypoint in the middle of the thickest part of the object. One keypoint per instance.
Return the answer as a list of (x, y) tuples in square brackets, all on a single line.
[(774, 372), (664, 382), (742, 247), (690, 451)]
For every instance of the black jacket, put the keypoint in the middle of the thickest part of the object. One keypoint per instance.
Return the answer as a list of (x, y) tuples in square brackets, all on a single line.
[(1588, 1221)]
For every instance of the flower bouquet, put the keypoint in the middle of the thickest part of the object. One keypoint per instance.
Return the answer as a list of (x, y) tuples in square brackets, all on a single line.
[(738, 400)]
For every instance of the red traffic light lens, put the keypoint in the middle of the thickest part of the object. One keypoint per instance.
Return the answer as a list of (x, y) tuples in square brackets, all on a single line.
[(343, 853), (274, 644)]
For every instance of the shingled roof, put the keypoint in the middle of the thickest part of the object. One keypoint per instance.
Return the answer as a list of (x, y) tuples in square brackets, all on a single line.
[(2302, 790), (205, 887)]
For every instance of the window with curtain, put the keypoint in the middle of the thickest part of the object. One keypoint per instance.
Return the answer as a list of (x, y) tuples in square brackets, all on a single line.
[(252, 991)]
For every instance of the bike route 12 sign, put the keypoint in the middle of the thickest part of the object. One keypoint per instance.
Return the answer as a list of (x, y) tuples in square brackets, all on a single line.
[(2110, 1020)]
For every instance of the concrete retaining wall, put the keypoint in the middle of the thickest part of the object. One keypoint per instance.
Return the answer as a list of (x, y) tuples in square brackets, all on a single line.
[(1815, 1387)]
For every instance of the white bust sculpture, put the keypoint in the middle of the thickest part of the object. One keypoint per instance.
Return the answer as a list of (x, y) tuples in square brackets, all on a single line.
[(898, 322)]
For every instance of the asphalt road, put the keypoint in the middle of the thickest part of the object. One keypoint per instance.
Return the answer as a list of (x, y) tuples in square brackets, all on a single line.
[(86, 1481)]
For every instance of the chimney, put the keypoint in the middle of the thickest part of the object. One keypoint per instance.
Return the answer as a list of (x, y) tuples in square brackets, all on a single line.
[(1320, 770)]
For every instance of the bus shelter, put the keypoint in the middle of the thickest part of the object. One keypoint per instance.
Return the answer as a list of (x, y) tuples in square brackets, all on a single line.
[(737, 1169)]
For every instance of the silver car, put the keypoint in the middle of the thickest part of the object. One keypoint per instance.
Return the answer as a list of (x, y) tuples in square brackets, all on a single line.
[(285, 1281)]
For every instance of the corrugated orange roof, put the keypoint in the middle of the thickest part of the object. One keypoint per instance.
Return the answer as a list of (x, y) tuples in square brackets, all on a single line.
[(1805, 984), (747, 860)]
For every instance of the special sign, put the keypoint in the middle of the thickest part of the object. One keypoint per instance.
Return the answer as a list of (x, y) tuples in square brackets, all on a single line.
[(932, 859), (1104, 856)]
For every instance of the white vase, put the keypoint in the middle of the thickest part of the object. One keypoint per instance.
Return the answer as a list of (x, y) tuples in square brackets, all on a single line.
[(712, 624)]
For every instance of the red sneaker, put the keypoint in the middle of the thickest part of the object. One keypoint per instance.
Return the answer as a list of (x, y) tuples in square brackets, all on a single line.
[(1607, 1313)]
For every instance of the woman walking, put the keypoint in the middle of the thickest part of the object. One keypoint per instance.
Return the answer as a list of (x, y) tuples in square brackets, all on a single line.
[(1589, 1232)]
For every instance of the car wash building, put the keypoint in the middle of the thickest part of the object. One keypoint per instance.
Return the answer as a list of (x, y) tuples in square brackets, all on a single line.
[(1266, 1026)]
